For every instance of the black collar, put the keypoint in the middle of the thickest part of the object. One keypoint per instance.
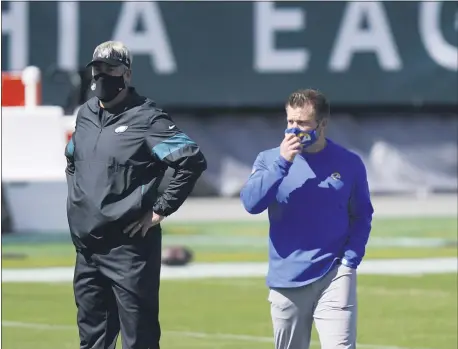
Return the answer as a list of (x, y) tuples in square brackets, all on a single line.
[(132, 99)]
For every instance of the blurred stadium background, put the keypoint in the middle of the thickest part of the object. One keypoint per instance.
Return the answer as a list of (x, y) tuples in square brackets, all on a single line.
[(223, 70)]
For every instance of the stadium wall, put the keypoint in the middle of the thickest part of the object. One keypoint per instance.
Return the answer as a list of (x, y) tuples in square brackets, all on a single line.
[(192, 55)]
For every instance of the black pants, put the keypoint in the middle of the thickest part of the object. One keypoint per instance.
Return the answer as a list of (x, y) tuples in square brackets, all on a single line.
[(117, 289)]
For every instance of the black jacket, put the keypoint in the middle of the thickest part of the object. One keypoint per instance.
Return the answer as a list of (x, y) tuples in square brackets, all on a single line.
[(116, 160)]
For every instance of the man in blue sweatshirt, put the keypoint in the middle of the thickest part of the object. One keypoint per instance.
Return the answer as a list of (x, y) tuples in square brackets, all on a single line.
[(320, 214)]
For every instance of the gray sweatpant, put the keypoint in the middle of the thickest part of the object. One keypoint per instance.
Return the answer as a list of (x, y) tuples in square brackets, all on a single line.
[(330, 302)]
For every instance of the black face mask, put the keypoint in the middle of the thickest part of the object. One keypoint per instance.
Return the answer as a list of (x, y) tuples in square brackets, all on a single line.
[(107, 87)]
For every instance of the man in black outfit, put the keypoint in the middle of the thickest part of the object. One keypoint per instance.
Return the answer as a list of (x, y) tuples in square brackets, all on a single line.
[(122, 145)]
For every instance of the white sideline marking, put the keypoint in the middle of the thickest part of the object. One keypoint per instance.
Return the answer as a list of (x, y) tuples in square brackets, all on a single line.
[(238, 337), (36, 326), (230, 270)]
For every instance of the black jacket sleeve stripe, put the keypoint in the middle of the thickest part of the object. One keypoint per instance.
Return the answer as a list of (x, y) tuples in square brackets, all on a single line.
[(174, 146), (170, 145)]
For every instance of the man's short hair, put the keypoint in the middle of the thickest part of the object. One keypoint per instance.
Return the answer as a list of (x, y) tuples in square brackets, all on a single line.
[(310, 97), (113, 53)]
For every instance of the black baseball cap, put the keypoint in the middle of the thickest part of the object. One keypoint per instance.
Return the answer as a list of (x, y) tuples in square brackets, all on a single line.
[(109, 55)]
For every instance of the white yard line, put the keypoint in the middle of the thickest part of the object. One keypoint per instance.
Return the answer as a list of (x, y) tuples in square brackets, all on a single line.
[(192, 334), (37, 326), (239, 270)]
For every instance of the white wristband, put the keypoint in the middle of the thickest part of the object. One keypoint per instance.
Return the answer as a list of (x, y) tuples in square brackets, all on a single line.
[(345, 262)]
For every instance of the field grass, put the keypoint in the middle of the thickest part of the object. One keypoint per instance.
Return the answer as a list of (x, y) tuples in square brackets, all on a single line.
[(396, 312), (387, 227), (247, 242), (406, 312)]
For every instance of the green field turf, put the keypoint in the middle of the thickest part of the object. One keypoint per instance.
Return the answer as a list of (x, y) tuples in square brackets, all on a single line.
[(405, 312), (395, 312), (429, 227), (246, 242)]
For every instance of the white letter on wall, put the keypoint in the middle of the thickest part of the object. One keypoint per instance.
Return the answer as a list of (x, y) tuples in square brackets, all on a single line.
[(153, 41), (15, 23), (268, 21), (376, 38), (68, 35), (443, 53)]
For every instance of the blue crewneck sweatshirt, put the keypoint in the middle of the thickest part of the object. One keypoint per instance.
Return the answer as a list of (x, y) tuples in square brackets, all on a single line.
[(319, 209)]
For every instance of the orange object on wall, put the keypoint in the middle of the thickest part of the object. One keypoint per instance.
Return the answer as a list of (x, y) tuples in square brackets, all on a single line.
[(69, 135), (13, 90)]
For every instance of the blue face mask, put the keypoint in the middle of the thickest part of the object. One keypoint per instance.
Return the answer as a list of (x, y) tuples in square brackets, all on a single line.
[(307, 138)]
